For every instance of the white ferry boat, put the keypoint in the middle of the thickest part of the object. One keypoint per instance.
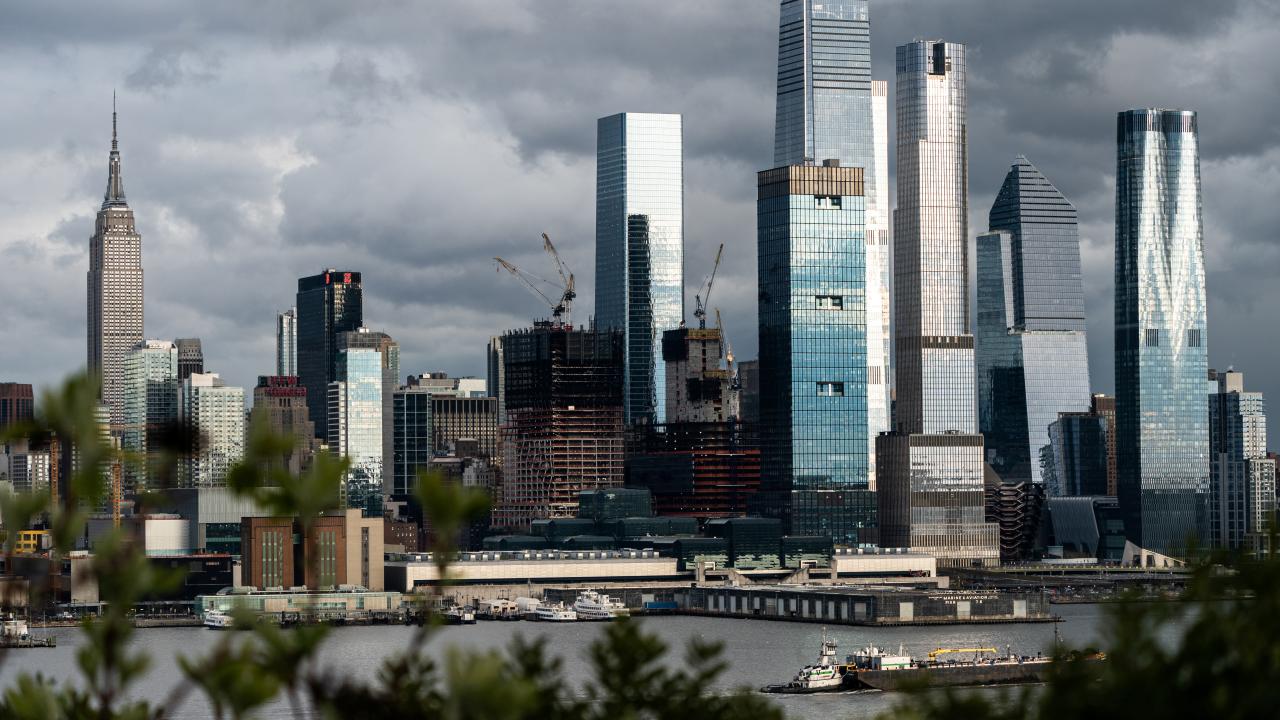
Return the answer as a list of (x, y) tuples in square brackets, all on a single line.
[(592, 605), (218, 620), (464, 615), (556, 612)]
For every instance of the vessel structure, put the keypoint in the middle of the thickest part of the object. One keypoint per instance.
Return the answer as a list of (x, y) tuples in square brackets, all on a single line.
[(218, 620), (459, 615), (592, 605), (15, 634), (554, 612)]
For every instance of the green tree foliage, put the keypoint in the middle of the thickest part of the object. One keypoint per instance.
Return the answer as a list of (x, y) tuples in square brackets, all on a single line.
[(242, 672)]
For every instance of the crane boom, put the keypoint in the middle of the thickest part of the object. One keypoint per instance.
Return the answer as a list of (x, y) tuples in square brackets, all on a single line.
[(703, 297), (566, 278), (556, 309)]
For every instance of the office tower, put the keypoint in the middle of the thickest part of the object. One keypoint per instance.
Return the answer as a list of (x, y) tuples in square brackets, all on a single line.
[(287, 343), (280, 402), (813, 344), (1031, 359), (355, 425), (329, 304), (1242, 479), (749, 391), (389, 355), (1104, 406), (190, 357), (640, 246), (17, 403), (461, 419), (150, 404), (1075, 461), (434, 413), (1162, 434), (930, 481), (412, 439), (564, 420), (494, 376), (829, 108), (217, 410), (114, 287)]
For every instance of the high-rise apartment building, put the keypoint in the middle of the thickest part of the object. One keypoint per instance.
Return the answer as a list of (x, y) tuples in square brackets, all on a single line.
[(494, 376), (389, 355), (1032, 362), (640, 246), (217, 411), (431, 413), (287, 343), (930, 480), (17, 403), (329, 304), (150, 403), (280, 401), (114, 287), (1162, 433), (829, 108), (813, 343), (564, 424), (355, 425), (190, 357), (1242, 479)]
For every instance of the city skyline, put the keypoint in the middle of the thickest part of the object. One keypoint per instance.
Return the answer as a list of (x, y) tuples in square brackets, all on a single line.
[(205, 280)]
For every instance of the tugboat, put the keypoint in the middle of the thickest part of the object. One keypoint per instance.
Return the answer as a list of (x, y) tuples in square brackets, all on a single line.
[(14, 634), (555, 612), (826, 675), (591, 605)]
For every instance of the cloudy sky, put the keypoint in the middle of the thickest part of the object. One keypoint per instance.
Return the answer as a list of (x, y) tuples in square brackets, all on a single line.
[(415, 140)]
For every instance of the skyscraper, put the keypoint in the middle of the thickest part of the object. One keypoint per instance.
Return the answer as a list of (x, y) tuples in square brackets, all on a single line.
[(287, 343), (17, 403), (190, 357), (217, 410), (1162, 463), (813, 346), (1242, 478), (640, 246), (114, 287), (281, 403), (329, 304), (150, 402), (355, 425), (1032, 362), (829, 108), (930, 481), (389, 357)]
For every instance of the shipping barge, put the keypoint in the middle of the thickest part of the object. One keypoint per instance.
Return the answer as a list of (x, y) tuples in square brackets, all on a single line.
[(873, 668)]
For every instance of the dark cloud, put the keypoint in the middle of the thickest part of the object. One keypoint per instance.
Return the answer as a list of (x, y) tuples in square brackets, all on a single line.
[(414, 141)]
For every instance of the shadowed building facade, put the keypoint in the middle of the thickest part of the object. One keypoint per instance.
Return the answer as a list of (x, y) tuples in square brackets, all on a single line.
[(328, 305)]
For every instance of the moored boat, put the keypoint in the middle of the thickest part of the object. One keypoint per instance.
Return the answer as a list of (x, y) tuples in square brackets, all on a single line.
[(554, 612), (592, 605), (459, 615), (218, 620)]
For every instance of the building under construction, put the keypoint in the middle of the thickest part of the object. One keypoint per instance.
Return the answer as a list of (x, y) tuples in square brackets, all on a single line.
[(563, 428)]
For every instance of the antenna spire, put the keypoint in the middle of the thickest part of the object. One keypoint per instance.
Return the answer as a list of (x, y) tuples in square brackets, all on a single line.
[(115, 146)]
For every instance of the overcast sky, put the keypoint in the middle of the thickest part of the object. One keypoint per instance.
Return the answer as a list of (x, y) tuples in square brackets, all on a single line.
[(414, 140)]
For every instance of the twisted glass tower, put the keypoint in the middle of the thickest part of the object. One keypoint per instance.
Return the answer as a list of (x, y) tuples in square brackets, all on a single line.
[(829, 108), (1161, 362), (640, 247), (1032, 362)]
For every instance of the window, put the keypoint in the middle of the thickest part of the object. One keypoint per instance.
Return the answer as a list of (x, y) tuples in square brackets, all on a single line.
[(830, 389), (874, 375), (1193, 337), (827, 202), (830, 302), (1153, 338)]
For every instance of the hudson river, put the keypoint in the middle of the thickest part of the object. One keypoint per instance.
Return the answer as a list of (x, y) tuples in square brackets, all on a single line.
[(759, 651)]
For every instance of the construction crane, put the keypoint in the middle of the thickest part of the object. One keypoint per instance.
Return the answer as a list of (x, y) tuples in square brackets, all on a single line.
[(562, 308), (703, 295), (942, 651), (728, 349)]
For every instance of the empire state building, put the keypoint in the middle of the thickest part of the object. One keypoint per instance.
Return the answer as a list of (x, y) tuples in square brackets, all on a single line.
[(115, 287)]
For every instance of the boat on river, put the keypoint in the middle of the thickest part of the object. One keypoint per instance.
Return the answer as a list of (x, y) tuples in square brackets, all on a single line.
[(554, 612), (218, 620), (15, 634), (824, 675), (592, 605)]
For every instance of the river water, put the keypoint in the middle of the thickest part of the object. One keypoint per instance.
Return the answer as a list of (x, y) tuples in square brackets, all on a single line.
[(760, 652)]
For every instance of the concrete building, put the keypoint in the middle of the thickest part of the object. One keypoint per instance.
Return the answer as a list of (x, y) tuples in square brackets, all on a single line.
[(17, 403), (338, 549), (217, 410), (190, 357), (114, 287), (1242, 479), (281, 403)]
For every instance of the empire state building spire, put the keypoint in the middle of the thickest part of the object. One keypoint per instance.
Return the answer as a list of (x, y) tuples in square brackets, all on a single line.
[(115, 183), (114, 299)]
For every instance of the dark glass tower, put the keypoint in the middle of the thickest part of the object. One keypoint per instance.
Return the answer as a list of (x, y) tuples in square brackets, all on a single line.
[(329, 304), (813, 346), (1162, 422), (1031, 357)]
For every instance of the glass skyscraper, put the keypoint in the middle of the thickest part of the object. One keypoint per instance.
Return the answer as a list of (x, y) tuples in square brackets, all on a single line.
[(1032, 362), (1161, 363), (150, 402), (813, 344), (355, 425), (287, 343), (929, 486), (640, 247), (829, 108), (329, 304)]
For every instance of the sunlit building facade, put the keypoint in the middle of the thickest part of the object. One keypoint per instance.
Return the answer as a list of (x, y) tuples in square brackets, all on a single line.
[(150, 402), (640, 247), (217, 410), (355, 426), (287, 343), (1161, 344)]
